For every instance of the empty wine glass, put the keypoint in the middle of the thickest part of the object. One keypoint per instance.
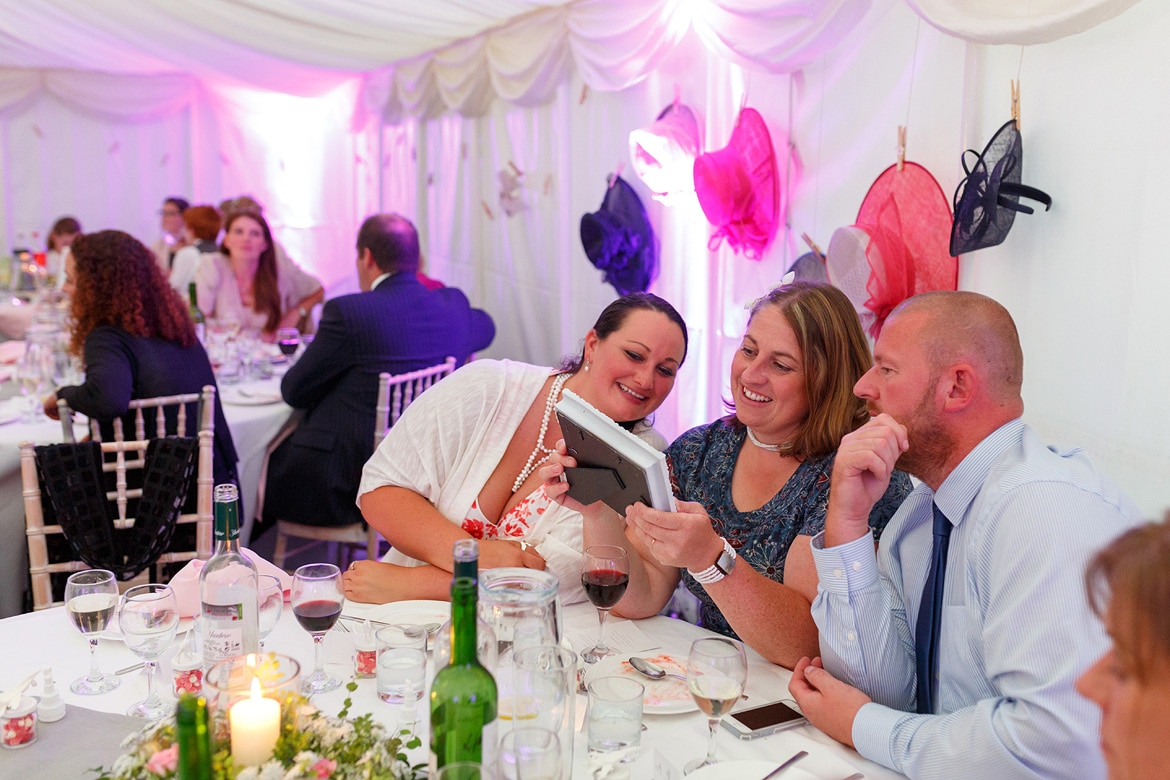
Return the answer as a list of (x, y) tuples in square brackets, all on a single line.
[(317, 599), (605, 573), (270, 597), (91, 597), (35, 369), (288, 339), (149, 617), (716, 675)]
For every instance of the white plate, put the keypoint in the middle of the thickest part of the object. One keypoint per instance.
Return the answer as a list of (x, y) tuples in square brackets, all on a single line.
[(668, 696), (420, 612), (235, 396), (747, 770)]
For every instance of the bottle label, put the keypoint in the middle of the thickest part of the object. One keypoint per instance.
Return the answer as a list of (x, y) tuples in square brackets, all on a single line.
[(223, 632)]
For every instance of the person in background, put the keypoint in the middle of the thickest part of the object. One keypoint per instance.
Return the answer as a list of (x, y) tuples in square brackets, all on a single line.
[(954, 651), (174, 233), (245, 282), (136, 339), (395, 325), (1128, 586), (57, 244), (756, 482), (203, 224), (463, 459)]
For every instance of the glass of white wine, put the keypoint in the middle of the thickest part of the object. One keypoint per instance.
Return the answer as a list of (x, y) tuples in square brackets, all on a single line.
[(716, 675), (91, 596)]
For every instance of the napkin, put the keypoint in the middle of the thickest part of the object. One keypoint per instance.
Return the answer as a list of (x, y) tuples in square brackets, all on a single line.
[(185, 583)]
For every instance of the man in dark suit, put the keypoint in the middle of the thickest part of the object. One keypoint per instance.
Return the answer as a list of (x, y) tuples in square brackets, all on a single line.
[(395, 324)]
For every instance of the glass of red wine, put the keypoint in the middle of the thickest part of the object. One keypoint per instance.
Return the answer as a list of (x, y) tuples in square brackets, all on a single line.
[(317, 599), (288, 339), (605, 573)]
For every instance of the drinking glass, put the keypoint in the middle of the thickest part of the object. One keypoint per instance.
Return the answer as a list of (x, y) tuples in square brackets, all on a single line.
[(270, 598), (317, 599), (544, 694), (33, 372), (90, 600), (149, 617), (716, 675), (605, 573), (530, 753), (402, 663), (288, 339), (614, 722)]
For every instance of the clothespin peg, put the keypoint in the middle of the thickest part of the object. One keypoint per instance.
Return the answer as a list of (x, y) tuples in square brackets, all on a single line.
[(487, 210), (1016, 103), (584, 94), (548, 183), (515, 170), (901, 146), (812, 245)]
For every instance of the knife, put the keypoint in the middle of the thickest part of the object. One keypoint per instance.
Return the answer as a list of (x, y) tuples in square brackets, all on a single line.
[(785, 765)]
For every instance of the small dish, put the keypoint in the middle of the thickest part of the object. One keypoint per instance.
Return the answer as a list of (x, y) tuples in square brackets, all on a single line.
[(668, 696)]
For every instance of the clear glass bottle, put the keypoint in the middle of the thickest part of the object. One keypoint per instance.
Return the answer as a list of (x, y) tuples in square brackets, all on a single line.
[(463, 694), (229, 619)]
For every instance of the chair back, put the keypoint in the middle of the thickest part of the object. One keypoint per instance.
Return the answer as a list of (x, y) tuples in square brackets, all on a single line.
[(121, 457), (396, 392)]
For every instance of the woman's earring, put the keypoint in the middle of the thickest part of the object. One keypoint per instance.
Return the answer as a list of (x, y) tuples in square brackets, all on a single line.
[(586, 365)]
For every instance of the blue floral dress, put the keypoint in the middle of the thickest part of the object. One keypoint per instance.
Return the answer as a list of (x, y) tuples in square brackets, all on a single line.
[(702, 461)]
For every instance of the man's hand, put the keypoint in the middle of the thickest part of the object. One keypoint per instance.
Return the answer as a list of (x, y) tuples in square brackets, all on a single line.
[(684, 538), (50, 404), (861, 473), (828, 703)]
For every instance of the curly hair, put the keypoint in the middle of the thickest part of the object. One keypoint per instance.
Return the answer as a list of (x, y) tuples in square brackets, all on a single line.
[(265, 292), (118, 282)]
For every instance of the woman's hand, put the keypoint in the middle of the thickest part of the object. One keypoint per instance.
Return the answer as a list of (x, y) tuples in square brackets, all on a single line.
[(494, 553), (551, 474), (371, 582), (684, 538), (50, 404)]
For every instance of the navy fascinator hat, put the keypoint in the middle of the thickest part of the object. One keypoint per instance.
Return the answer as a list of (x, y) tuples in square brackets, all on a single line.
[(619, 240)]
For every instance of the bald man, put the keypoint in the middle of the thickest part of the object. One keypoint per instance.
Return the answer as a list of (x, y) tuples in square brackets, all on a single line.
[(1015, 522)]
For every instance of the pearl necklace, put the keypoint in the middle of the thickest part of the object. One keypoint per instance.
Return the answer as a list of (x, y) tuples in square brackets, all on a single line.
[(550, 402), (761, 445)]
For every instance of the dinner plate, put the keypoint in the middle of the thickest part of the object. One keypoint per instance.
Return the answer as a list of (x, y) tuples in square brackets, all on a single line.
[(748, 770), (237, 396), (668, 696), (419, 612)]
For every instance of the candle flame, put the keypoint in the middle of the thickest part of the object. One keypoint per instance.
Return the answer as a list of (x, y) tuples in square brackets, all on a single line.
[(255, 688)]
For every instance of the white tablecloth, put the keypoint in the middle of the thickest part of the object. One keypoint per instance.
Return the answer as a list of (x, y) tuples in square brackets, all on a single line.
[(252, 427), (31, 641)]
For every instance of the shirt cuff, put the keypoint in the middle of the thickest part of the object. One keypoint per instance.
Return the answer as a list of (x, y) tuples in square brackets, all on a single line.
[(845, 568), (873, 732)]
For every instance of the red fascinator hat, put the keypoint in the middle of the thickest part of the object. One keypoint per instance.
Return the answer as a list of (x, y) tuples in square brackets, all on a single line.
[(898, 247), (739, 189)]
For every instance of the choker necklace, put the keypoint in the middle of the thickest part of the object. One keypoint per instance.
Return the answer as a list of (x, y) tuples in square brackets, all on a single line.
[(760, 444), (554, 393)]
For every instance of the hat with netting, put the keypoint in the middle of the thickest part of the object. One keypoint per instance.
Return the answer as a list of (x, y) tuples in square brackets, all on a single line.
[(897, 247), (619, 239), (987, 200), (663, 154)]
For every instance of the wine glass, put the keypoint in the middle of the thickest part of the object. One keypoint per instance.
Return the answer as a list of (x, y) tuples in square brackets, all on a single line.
[(716, 675), (270, 596), (317, 599), (91, 597), (605, 573), (33, 372), (288, 339), (149, 618)]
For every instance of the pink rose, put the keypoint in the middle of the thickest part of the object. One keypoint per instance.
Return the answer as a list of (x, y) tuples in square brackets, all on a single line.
[(324, 767), (164, 761)]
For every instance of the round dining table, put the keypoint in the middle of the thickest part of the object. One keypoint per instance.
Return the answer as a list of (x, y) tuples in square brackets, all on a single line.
[(93, 727)]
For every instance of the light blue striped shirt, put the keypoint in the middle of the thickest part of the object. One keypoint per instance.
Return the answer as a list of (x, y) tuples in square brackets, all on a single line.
[(1016, 629)]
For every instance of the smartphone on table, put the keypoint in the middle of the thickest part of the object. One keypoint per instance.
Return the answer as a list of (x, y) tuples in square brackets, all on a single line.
[(763, 720)]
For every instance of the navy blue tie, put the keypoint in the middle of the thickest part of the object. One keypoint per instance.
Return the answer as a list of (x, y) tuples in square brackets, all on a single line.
[(930, 616)]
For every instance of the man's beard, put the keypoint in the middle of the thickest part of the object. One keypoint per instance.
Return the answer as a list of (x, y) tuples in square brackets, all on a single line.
[(930, 443)]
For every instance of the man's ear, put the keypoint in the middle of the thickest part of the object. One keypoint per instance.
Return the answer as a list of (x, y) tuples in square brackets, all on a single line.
[(962, 383)]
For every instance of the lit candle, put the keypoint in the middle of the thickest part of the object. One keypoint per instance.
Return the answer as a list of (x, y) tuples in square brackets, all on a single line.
[(255, 726)]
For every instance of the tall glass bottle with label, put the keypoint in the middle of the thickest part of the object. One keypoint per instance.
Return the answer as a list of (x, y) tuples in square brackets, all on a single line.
[(463, 694), (467, 565), (228, 588)]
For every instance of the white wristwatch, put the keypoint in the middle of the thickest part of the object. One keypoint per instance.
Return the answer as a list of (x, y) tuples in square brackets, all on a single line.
[(718, 570)]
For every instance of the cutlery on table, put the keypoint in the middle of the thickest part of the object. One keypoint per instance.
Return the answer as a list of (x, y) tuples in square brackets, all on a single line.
[(131, 668), (785, 765)]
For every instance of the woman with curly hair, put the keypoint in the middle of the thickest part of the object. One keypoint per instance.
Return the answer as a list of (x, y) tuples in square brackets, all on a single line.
[(136, 338), (250, 283)]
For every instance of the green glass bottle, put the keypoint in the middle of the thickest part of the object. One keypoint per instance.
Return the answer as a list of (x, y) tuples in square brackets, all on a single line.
[(196, 313), (463, 695), (193, 737)]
